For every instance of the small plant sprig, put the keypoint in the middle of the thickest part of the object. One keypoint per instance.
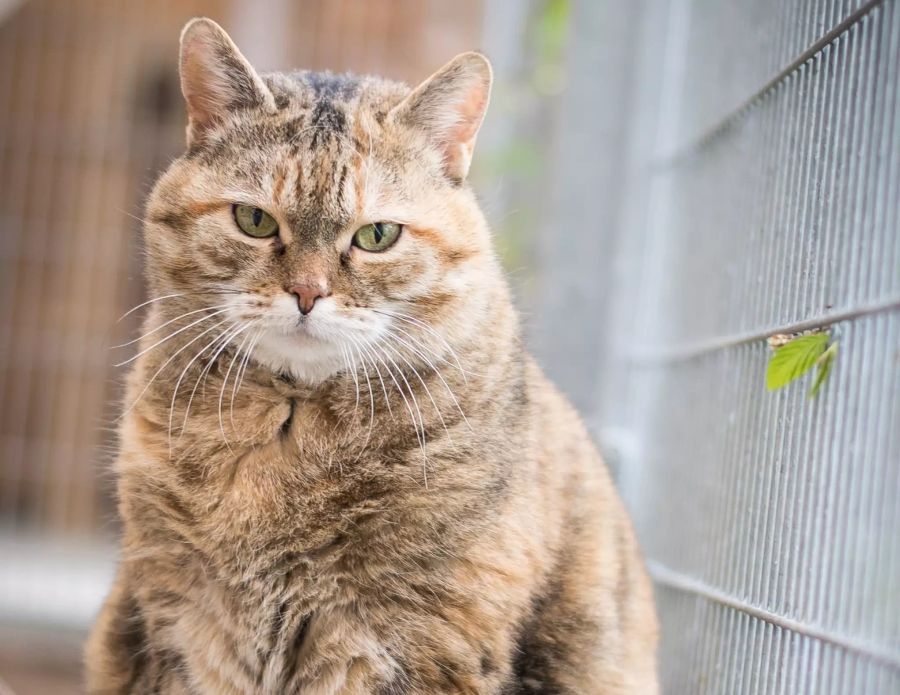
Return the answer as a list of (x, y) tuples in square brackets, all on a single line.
[(795, 355)]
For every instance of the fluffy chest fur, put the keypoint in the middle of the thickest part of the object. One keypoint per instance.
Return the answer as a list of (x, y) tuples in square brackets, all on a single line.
[(290, 542)]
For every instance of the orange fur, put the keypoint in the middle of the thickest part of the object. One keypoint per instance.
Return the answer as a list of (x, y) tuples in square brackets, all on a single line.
[(385, 496)]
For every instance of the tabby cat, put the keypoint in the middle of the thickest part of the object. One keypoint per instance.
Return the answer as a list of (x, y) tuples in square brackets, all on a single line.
[(339, 469)]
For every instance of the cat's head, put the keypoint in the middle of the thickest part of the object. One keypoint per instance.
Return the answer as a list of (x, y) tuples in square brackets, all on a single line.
[(319, 217)]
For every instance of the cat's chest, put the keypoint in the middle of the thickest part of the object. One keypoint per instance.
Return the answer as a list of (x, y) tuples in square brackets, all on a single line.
[(302, 495), (305, 493)]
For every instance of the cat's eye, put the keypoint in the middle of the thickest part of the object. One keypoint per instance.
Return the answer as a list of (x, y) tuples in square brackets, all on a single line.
[(254, 222), (377, 236)]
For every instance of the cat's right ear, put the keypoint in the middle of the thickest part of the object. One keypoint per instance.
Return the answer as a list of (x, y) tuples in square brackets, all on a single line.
[(216, 79), (449, 107)]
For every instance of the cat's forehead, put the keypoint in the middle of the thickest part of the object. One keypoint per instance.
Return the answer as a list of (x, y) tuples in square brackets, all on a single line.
[(332, 104), (313, 109), (312, 154)]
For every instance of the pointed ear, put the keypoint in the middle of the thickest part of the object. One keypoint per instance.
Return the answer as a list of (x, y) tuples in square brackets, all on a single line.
[(215, 78), (449, 107)]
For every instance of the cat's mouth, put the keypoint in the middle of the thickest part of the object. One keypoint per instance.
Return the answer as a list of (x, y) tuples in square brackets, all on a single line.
[(307, 330), (311, 346)]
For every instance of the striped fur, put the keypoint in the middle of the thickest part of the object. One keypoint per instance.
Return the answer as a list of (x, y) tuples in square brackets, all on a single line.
[(386, 496)]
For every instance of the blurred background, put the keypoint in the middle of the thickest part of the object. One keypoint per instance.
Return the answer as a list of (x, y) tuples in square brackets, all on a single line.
[(670, 183)]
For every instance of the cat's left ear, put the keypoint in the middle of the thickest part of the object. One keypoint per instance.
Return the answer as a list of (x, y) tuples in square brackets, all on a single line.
[(449, 107), (216, 79)]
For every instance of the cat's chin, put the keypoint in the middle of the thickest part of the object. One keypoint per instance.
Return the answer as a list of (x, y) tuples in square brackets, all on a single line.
[(300, 354)]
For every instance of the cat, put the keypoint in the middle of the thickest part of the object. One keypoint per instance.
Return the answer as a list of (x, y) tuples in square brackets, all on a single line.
[(339, 469)]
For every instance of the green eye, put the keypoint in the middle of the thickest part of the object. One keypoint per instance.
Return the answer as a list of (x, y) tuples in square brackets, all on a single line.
[(254, 222), (377, 237)]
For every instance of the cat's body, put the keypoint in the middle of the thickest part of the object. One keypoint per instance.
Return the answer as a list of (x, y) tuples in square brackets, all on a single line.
[(287, 526)]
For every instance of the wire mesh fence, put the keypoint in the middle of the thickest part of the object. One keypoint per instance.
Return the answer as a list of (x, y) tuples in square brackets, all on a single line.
[(762, 197)]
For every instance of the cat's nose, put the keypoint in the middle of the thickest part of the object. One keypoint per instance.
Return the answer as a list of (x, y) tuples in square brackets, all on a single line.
[(307, 292)]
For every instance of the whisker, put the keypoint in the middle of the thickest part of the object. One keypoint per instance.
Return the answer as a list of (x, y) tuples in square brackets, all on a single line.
[(437, 373), (424, 326), (387, 400), (166, 363), (362, 359), (170, 336), (225, 382), (225, 338), (173, 296), (150, 301), (352, 366), (237, 380), (337, 423), (170, 321), (425, 386), (439, 357), (184, 372), (243, 371), (420, 435)]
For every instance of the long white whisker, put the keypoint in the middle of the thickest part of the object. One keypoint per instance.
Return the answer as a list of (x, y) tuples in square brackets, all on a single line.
[(348, 434), (362, 359), (149, 301), (225, 381), (346, 360), (402, 393), (420, 433), (237, 380), (170, 321), (425, 386), (170, 336), (228, 335), (184, 371), (352, 365), (243, 371), (436, 371), (167, 362), (424, 326), (174, 295), (387, 400), (437, 355)]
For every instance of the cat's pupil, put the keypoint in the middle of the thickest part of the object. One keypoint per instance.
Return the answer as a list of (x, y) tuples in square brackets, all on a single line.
[(257, 217), (378, 233)]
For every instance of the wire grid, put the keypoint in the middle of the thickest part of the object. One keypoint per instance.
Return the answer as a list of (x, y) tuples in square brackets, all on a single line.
[(771, 201)]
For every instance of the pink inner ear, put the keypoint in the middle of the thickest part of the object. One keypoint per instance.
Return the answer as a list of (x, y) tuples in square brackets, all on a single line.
[(459, 139), (199, 82), (470, 111), (215, 77), (449, 107), (194, 77)]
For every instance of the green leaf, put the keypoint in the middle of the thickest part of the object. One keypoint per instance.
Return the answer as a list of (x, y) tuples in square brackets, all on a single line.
[(825, 362), (794, 359)]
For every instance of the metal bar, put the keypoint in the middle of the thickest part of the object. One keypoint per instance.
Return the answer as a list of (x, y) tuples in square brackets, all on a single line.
[(680, 582), (654, 356), (702, 140)]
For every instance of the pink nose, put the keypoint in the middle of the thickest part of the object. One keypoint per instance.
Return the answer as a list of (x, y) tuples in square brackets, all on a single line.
[(307, 292)]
